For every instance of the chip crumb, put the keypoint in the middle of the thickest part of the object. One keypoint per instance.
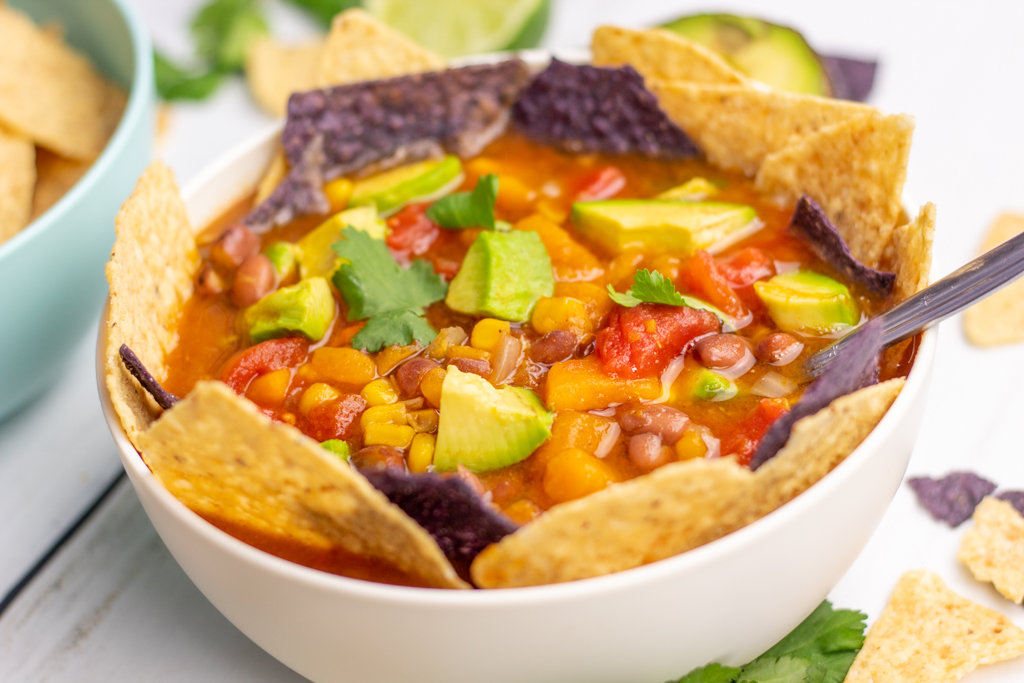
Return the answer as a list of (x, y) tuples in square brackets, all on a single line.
[(662, 55), (274, 71), (855, 170), (912, 243), (999, 318), (929, 634), (360, 48), (993, 549), (17, 180)]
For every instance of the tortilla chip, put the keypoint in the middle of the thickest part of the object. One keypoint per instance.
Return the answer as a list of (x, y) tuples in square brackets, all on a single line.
[(855, 170), (912, 243), (55, 176), (998, 319), (360, 48), (929, 634), (737, 126), (17, 178), (993, 549), (659, 54), (150, 276), (272, 177), (224, 459), (51, 93), (274, 71)]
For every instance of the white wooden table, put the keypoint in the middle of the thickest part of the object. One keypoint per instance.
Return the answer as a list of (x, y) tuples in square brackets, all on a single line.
[(98, 597)]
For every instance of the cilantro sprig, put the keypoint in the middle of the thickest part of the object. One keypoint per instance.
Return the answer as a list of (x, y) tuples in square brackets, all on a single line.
[(655, 288), (474, 209), (820, 650), (391, 297)]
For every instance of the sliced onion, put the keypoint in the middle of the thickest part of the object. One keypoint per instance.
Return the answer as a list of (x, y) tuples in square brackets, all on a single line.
[(608, 441), (773, 385), (740, 368), (447, 337), (505, 359)]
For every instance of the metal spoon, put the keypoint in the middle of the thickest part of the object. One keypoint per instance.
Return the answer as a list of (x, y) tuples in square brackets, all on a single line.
[(988, 273)]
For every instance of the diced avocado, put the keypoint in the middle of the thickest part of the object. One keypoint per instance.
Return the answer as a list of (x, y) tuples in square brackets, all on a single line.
[(502, 276), (808, 302), (664, 226), (693, 190), (710, 386), (282, 255), (423, 181), (306, 308), (484, 428), (316, 257), (338, 447), (776, 55)]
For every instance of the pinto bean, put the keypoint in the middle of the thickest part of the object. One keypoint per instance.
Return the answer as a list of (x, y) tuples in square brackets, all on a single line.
[(411, 372), (477, 366), (209, 282), (554, 346), (665, 422), (778, 348), (647, 452), (719, 351), (255, 278), (234, 246), (378, 458)]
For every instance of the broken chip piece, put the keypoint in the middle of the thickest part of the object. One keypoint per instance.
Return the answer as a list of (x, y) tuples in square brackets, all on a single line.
[(164, 398), (993, 549), (953, 498), (852, 79), (999, 318), (1014, 498), (585, 108), (810, 224)]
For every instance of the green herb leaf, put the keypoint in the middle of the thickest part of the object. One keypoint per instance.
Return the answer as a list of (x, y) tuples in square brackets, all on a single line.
[(223, 30), (771, 670), (712, 673), (324, 10), (655, 288), (175, 83), (819, 673), (467, 209), (372, 282), (393, 327)]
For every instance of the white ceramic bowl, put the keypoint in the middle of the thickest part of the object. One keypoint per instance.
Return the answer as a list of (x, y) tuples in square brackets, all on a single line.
[(727, 601)]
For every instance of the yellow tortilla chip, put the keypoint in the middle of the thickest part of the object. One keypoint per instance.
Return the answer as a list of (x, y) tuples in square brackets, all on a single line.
[(659, 54), (51, 94), (993, 549), (929, 634), (150, 276), (272, 177), (274, 71), (855, 170), (738, 126), (17, 180), (55, 176), (999, 319), (912, 244), (360, 48), (222, 458)]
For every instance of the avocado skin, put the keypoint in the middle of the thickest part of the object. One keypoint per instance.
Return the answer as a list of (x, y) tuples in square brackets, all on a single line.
[(808, 302), (306, 308)]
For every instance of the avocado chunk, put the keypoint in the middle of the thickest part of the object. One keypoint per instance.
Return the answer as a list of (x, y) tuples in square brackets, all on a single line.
[(710, 386), (282, 256), (306, 308), (663, 226), (502, 276), (808, 302), (775, 55), (484, 428), (316, 257), (693, 190), (423, 181), (338, 447)]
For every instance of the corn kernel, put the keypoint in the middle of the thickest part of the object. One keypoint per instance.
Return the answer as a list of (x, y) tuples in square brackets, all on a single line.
[(574, 473), (306, 373), (270, 389), (381, 434), (423, 420), (560, 313), (317, 394), (412, 404), (343, 366), (421, 452), (389, 414), (289, 418), (487, 333), (467, 352), (430, 386), (379, 392), (338, 193), (389, 358), (690, 445), (522, 511)]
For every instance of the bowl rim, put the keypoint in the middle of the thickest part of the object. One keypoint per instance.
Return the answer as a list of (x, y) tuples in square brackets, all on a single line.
[(408, 596), (140, 94)]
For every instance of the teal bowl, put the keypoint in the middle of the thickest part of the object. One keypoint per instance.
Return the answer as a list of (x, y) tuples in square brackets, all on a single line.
[(52, 284)]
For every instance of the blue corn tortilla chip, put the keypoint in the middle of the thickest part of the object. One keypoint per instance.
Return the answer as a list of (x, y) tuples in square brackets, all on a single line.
[(855, 368), (953, 498), (852, 79), (374, 125), (458, 519), (163, 398), (594, 109), (1014, 498), (810, 224)]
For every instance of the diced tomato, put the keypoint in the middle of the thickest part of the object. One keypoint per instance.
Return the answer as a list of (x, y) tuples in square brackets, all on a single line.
[(641, 341), (334, 420), (746, 267), (411, 232), (265, 357), (603, 183), (703, 277), (745, 435)]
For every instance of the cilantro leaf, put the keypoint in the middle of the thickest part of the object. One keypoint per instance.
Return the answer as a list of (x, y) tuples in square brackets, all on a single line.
[(372, 282), (819, 673), (467, 209), (223, 30), (655, 288), (393, 327), (829, 637), (772, 670), (712, 673), (324, 10), (175, 83)]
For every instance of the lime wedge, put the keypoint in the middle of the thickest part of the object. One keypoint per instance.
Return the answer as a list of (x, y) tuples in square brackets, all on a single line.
[(453, 28)]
